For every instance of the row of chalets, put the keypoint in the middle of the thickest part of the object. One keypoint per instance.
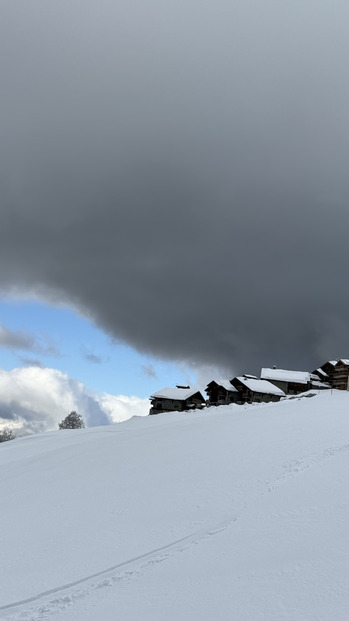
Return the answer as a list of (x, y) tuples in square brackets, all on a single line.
[(273, 385)]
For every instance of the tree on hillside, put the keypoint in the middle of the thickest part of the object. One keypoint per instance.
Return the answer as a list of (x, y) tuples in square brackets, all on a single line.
[(6, 434), (72, 421)]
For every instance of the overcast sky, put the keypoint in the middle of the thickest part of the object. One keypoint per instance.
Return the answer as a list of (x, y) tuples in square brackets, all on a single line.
[(177, 171)]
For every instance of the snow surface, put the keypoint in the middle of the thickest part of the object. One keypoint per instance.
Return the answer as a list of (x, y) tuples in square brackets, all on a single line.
[(261, 386), (229, 513), (283, 375)]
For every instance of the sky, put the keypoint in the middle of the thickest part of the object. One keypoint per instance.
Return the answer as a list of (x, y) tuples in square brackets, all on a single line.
[(173, 179), (53, 361), (39, 335)]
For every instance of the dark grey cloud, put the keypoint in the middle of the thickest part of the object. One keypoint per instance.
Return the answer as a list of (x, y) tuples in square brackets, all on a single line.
[(93, 358), (12, 411), (32, 362), (178, 172), (148, 370), (16, 339), (27, 341)]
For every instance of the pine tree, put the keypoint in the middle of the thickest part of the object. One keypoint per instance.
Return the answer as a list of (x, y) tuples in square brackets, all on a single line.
[(72, 421), (6, 434)]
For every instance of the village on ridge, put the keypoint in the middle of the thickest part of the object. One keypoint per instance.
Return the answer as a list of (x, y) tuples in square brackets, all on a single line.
[(273, 385)]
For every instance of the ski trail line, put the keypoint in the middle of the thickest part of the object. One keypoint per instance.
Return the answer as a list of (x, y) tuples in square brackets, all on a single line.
[(297, 467), (190, 539), (291, 470)]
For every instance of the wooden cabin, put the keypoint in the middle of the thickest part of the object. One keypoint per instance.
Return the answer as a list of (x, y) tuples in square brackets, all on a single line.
[(177, 399), (221, 392), (317, 384), (337, 372), (328, 368), (253, 390), (340, 375), (321, 375)]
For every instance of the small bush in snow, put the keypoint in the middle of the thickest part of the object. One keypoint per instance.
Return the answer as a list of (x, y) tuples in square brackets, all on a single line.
[(6, 434), (72, 421)]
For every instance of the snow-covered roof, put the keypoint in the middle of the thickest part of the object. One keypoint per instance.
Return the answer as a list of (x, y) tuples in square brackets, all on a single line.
[(179, 394), (225, 384), (321, 371), (283, 375), (334, 362), (261, 386), (320, 384)]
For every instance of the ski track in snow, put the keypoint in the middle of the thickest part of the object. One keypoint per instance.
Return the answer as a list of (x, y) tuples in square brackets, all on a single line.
[(111, 575), (45, 605), (298, 466)]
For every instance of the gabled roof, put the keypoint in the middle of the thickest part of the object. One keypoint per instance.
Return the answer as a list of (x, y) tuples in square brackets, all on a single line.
[(321, 371), (261, 386), (334, 362), (177, 394), (283, 375), (225, 384)]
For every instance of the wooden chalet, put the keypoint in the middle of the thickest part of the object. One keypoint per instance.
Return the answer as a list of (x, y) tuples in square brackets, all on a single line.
[(327, 368), (253, 390), (337, 372), (221, 392), (294, 382), (176, 399), (321, 375)]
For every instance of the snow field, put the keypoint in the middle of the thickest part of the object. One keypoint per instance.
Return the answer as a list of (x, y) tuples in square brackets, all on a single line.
[(228, 513)]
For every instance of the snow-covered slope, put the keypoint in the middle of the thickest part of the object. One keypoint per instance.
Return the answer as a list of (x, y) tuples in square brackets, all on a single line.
[(233, 513)]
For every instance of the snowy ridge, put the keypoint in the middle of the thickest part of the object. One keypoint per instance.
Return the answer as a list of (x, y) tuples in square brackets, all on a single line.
[(243, 511)]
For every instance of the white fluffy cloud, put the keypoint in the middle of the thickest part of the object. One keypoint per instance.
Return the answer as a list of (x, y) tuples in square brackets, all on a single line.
[(35, 400)]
